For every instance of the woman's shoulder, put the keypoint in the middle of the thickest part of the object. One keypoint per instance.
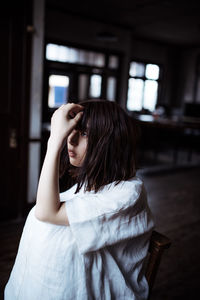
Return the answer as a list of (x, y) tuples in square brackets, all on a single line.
[(134, 184), (124, 193)]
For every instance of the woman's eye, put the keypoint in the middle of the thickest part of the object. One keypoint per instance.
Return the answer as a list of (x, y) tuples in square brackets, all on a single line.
[(83, 133)]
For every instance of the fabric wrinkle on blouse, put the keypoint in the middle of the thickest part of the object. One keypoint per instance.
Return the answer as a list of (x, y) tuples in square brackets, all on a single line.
[(99, 256)]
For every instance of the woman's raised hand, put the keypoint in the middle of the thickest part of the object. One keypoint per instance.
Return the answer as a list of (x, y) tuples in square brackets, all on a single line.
[(63, 121)]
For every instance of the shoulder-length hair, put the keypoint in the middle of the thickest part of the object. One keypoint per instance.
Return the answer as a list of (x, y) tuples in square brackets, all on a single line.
[(111, 147)]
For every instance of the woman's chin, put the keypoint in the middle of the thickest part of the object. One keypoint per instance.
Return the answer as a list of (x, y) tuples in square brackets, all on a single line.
[(74, 162)]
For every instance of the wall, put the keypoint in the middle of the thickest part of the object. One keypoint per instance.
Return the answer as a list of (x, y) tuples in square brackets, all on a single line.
[(35, 99), (189, 57)]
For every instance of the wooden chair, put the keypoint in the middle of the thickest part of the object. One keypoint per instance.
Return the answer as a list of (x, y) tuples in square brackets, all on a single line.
[(158, 243)]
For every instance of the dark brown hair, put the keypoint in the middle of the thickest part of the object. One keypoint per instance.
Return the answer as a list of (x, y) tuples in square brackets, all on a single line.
[(111, 146)]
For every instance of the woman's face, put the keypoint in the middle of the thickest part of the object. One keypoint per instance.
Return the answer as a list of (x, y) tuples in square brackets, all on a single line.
[(77, 145)]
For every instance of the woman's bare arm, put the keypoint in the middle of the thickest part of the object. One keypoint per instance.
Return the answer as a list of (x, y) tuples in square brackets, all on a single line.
[(48, 206)]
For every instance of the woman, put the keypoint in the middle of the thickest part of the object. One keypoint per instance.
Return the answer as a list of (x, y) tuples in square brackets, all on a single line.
[(89, 242)]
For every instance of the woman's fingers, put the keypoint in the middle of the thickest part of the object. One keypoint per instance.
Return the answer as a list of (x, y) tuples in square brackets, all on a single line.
[(78, 116), (65, 119), (73, 111), (72, 106)]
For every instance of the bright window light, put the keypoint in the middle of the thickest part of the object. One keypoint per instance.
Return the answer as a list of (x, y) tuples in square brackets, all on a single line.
[(150, 94), (95, 86), (136, 69), (72, 55), (135, 93), (58, 90), (152, 71)]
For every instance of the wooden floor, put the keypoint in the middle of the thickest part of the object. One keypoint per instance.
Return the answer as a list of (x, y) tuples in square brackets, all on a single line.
[(174, 197)]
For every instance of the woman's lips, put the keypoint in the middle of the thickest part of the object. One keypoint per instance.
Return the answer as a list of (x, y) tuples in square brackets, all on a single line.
[(71, 153)]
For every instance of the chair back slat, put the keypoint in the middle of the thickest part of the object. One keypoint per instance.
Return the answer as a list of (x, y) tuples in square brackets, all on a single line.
[(158, 243)]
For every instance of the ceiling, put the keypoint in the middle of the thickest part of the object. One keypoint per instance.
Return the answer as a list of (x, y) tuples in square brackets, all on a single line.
[(166, 21)]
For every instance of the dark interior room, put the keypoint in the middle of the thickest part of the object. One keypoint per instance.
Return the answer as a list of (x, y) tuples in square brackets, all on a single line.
[(145, 56)]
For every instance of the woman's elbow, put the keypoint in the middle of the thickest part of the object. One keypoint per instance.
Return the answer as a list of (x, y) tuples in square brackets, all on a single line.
[(40, 215)]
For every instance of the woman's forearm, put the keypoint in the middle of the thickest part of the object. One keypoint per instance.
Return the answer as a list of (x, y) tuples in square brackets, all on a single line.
[(48, 207), (47, 201)]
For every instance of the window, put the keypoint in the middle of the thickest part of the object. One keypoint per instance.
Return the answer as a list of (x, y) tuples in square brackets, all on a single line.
[(58, 90), (76, 74), (143, 86)]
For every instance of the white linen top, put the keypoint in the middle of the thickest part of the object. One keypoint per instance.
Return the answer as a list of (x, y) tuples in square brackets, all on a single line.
[(98, 257)]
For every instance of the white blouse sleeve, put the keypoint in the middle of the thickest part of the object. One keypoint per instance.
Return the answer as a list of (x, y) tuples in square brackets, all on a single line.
[(103, 219), (67, 194)]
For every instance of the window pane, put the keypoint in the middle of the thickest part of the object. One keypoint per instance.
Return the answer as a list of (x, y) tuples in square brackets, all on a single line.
[(113, 62), (91, 58), (135, 94), (62, 54), (136, 69), (58, 90), (99, 60), (82, 86), (95, 59), (150, 94), (111, 88), (51, 51), (82, 57), (152, 71), (95, 86), (73, 55)]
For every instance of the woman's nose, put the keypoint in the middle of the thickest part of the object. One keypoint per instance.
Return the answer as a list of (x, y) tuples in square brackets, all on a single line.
[(73, 137)]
